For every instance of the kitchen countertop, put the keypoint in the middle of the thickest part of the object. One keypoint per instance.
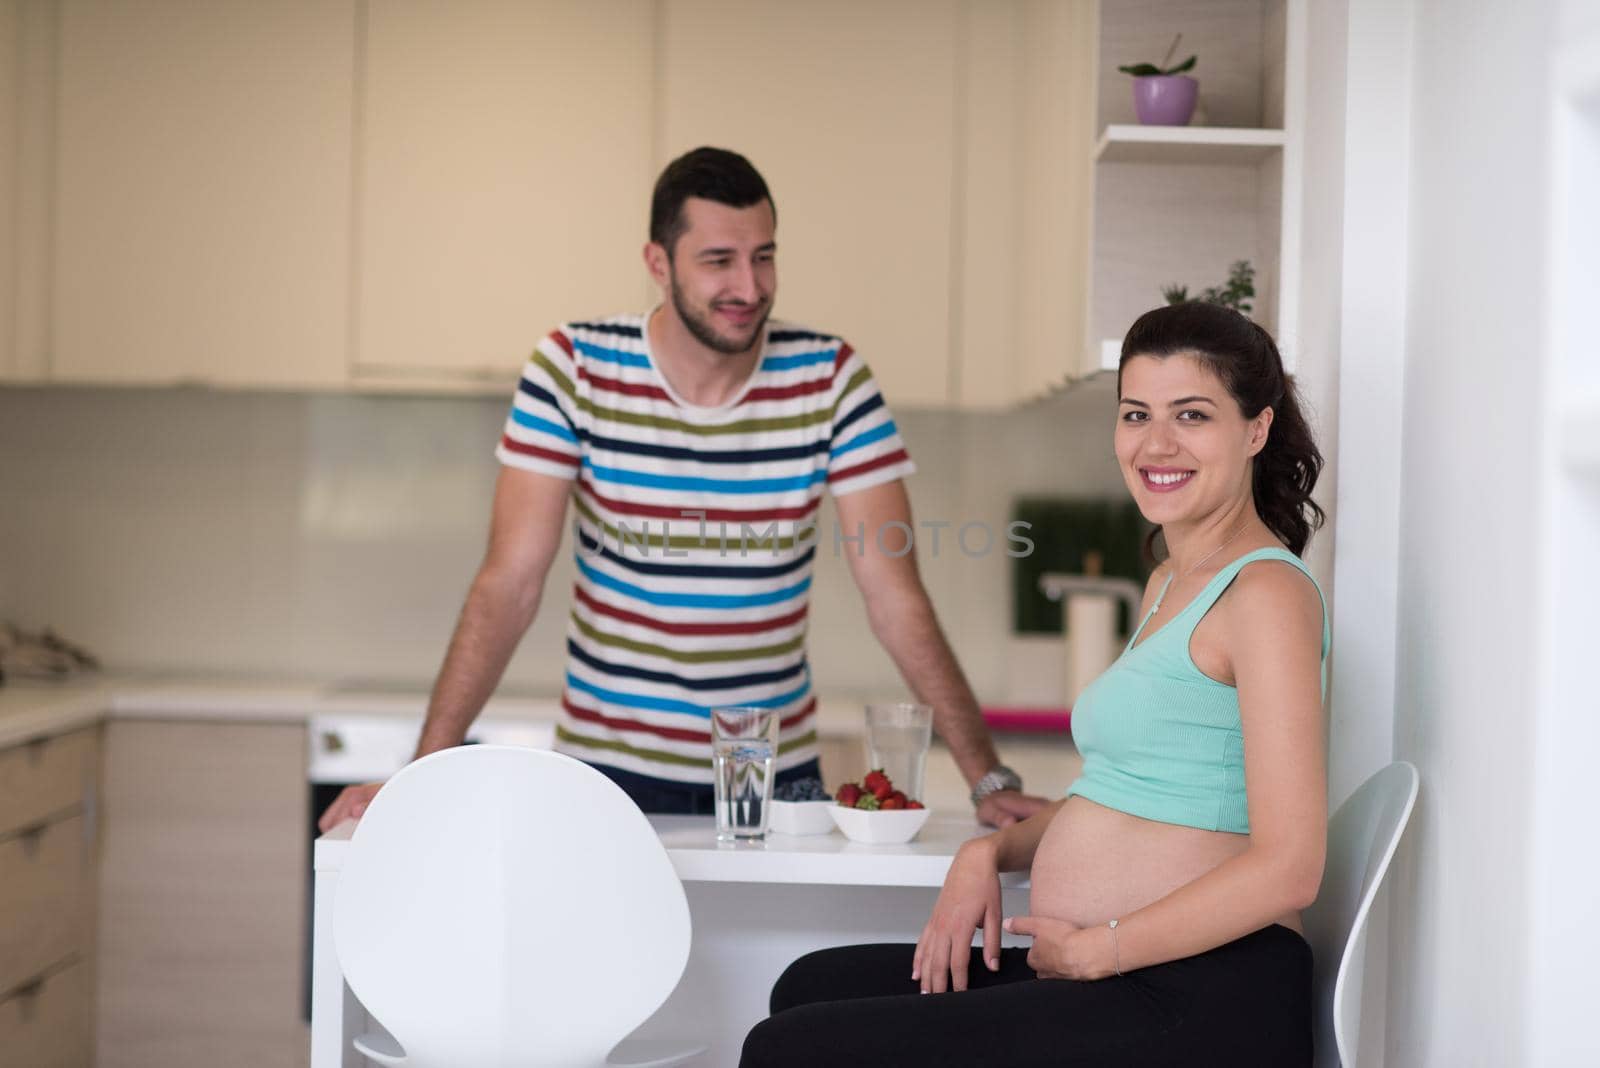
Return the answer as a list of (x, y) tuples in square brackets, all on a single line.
[(31, 709), (37, 708)]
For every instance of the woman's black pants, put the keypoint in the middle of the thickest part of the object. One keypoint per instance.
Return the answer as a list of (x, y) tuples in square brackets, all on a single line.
[(1245, 1003)]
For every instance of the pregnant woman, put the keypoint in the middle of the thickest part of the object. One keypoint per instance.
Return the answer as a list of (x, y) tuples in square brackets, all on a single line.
[(1168, 883)]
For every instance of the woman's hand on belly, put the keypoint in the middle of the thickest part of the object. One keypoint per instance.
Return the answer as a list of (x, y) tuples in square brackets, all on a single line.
[(1063, 950), (970, 899)]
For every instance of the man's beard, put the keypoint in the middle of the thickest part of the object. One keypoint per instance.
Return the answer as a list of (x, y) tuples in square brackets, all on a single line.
[(700, 326)]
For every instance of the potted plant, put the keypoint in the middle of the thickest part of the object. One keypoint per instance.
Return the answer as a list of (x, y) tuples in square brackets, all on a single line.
[(1164, 95), (1236, 293)]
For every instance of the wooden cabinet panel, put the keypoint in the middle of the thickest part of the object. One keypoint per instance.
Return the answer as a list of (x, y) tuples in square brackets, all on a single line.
[(44, 891), (848, 109), (409, 194), (505, 179), (49, 1025), (1023, 232), (202, 894), (203, 191), (27, 123), (10, 120), (45, 778)]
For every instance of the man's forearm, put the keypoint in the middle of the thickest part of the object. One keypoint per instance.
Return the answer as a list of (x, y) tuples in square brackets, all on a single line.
[(493, 620), (907, 628)]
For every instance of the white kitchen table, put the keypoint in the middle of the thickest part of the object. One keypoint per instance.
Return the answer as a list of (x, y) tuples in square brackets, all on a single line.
[(754, 908)]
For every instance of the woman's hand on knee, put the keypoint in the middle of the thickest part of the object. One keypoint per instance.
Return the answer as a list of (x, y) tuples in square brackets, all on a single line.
[(969, 900)]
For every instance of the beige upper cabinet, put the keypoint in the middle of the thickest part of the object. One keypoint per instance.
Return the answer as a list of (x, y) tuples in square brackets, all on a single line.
[(849, 111), (10, 122), (1027, 72), (203, 191), (504, 181), (506, 154), (27, 119), (408, 194), (930, 161)]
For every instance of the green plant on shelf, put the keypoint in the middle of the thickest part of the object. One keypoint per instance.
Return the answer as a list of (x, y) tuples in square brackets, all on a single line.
[(1236, 293), (1145, 70)]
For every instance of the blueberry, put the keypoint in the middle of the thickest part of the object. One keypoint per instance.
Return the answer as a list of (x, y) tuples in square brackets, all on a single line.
[(806, 789)]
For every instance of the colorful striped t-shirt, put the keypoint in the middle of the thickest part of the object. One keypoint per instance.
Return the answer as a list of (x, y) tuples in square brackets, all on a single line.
[(695, 532)]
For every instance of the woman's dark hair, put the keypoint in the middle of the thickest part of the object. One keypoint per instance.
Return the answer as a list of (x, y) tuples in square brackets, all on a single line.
[(1244, 357), (711, 174)]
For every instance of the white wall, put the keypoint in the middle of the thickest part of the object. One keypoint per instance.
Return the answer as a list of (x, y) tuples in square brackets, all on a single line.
[(1446, 652), (1466, 658), (1564, 939), (333, 536)]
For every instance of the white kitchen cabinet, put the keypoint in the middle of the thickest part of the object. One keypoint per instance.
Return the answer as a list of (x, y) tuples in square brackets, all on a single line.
[(504, 181), (202, 899), (202, 196), (1178, 205)]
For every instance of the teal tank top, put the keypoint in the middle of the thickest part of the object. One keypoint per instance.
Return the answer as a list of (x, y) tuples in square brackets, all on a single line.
[(1162, 740)]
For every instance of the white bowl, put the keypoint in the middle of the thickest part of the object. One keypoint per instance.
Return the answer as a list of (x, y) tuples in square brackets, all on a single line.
[(800, 817), (879, 827)]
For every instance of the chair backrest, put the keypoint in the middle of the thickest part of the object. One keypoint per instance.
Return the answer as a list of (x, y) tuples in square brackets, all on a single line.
[(1362, 837), (506, 906)]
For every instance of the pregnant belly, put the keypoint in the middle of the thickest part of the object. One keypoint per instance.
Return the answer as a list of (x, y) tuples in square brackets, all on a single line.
[(1096, 864)]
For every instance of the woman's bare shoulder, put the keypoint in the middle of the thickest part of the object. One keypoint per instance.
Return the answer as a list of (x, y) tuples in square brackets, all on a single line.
[(1274, 593)]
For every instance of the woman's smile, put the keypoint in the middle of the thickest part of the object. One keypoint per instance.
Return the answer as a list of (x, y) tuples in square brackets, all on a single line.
[(1165, 479)]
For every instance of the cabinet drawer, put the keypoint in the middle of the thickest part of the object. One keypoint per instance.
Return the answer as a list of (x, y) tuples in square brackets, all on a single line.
[(49, 1025), (41, 778), (44, 893)]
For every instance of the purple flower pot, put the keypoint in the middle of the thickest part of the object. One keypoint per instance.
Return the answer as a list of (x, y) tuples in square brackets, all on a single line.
[(1165, 99)]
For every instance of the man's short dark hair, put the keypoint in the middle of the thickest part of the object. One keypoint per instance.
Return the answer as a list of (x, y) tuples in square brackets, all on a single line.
[(711, 174)]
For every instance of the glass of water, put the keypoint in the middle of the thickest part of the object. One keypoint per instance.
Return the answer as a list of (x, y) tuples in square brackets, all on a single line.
[(898, 735), (744, 752)]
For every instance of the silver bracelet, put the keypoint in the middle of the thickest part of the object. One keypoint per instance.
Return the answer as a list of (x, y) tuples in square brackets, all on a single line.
[(1116, 956)]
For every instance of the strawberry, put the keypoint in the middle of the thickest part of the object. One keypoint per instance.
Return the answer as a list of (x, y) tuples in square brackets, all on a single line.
[(848, 795), (900, 795), (914, 804), (877, 781), (867, 802), (893, 801)]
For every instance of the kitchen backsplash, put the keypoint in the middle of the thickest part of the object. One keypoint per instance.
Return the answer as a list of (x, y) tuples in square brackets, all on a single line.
[(333, 536)]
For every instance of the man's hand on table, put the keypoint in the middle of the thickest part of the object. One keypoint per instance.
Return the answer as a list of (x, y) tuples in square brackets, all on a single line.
[(1005, 807), (351, 804)]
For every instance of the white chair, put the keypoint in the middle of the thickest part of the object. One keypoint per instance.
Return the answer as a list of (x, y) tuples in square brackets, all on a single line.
[(504, 907), (1362, 837)]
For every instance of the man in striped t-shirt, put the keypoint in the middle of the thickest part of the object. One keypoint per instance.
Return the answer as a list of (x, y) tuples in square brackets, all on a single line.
[(694, 444)]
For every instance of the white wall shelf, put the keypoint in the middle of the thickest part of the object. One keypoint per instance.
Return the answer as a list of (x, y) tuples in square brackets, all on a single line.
[(1178, 205), (1122, 143)]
